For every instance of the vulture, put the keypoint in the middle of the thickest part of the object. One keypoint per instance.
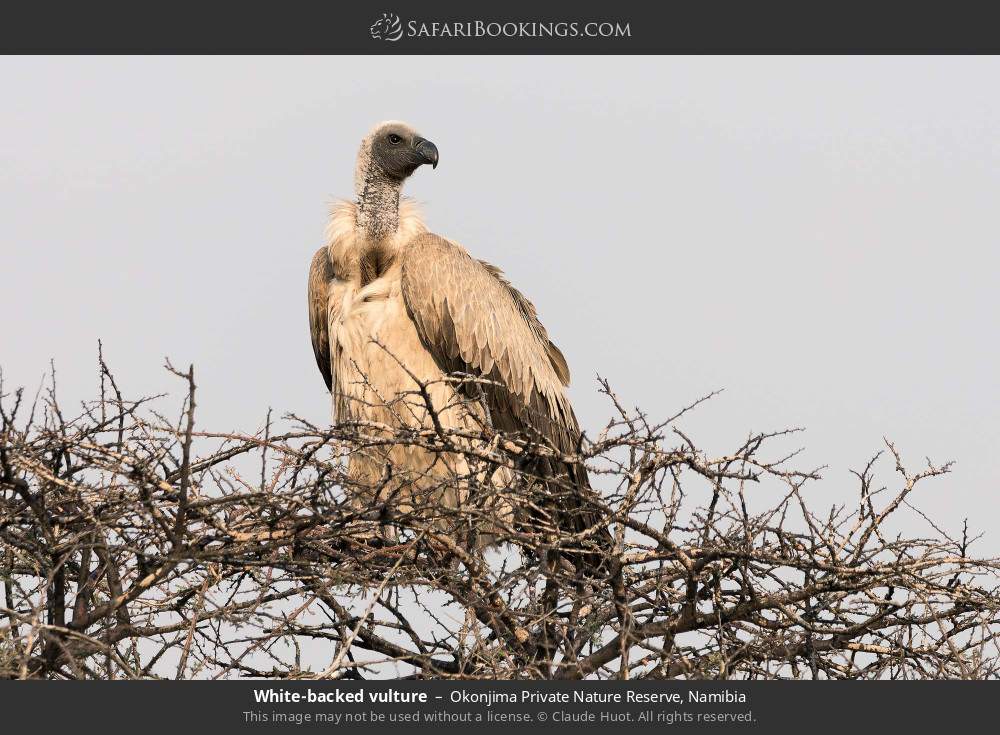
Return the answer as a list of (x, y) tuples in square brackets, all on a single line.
[(412, 332)]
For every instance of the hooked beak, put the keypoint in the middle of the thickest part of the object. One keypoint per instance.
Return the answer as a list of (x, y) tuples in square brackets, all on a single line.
[(427, 151)]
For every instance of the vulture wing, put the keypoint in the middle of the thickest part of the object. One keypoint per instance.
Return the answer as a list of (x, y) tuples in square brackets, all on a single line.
[(320, 276), (472, 320)]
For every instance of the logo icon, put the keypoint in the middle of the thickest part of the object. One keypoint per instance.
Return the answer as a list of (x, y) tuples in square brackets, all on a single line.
[(387, 28)]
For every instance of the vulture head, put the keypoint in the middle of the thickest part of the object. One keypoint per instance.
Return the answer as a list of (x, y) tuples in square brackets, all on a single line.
[(392, 151)]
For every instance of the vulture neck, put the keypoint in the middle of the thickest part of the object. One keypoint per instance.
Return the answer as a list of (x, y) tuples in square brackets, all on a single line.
[(378, 207)]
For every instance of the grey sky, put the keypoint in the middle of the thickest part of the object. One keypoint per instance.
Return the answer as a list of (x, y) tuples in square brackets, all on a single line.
[(817, 236)]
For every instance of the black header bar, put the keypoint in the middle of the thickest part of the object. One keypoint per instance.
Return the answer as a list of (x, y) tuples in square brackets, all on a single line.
[(511, 27)]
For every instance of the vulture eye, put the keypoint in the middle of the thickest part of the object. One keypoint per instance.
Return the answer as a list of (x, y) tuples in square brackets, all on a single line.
[(394, 139)]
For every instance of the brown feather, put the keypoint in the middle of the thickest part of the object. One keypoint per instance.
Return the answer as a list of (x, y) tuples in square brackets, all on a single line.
[(473, 320), (320, 275)]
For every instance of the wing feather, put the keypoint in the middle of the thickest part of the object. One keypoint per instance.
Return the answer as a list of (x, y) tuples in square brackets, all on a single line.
[(473, 320), (320, 275)]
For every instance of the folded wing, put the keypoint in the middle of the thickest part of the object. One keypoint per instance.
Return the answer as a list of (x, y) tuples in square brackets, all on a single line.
[(320, 276), (474, 321)]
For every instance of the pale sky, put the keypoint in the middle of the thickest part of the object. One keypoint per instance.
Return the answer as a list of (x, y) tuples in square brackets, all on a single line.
[(818, 236)]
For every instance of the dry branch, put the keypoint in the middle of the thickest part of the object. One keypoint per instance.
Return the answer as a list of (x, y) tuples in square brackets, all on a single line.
[(132, 546)]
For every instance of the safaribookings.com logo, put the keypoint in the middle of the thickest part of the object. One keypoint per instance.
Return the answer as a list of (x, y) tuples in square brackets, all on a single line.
[(390, 28), (387, 28)]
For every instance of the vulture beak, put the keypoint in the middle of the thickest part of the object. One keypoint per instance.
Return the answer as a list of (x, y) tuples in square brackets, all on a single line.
[(427, 151)]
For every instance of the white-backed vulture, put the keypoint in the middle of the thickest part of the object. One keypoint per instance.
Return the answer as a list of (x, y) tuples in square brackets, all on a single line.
[(390, 302)]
